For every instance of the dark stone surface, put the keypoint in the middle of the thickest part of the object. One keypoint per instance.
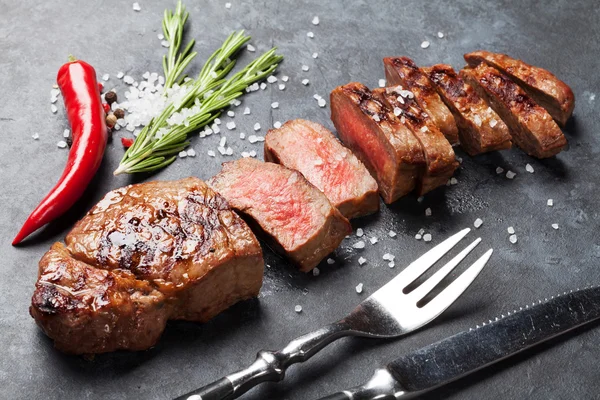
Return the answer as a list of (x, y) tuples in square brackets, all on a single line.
[(563, 36)]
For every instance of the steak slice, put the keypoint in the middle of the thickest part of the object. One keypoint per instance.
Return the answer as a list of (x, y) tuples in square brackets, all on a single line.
[(540, 84), (532, 128), (296, 217), (404, 72), (313, 150), (440, 159), (176, 243), (388, 148), (480, 129)]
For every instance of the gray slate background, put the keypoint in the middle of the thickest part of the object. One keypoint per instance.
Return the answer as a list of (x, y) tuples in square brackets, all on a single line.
[(563, 36)]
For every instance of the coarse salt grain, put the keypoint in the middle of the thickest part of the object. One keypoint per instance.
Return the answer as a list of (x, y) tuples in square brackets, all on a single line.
[(160, 36), (359, 245), (250, 48), (263, 85), (210, 153), (493, 123), (277, 125), (191, 153), (227, 5), (440, 35), (418, 236), (397, 111), (231, 113), (281, 86), (66, 133), (391, 264), (315, 20), (420, 199), (382, 83), (310, 34), (499, 170), (550, 203), (53, 108), (165, 43), (374, 240), (529, 168), (428, 212), (183, 154), (230, 125), (388, 257), (478, 222), (453, 181), (316, 96), (256, 126), (359, 288), (62, 144), (321, 102), (247, 111), (272, 79), (427, 237), (120, 75), (298, 308), (330, 261), (285, 78), (511, 230), (105, 77), (513, 239), (275, 105), (35, 136), (305, 82), (136, 7), (477, 120), (223, 141), (305, 68), (555, 226), (510, 174), (316, 271), (425, 44), (252, 153), (361, 260), (392, 234), (359, 232), (315, 55)]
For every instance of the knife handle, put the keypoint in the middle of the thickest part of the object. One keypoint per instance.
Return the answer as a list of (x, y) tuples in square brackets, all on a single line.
[(381, 386), (271, 365)]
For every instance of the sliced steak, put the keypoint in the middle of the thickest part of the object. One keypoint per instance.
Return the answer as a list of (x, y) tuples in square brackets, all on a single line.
[(313, 150), (532, 128), (388, 148), (178, 243), (440, 159), (480, 129), (296, 217), (404, 72), (540, 84)]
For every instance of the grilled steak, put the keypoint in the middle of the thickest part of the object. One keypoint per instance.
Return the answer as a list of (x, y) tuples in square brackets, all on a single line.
[(540, 84), (388, 148), (313, 150), (479, 127), (439, 155), (532, 128), (404, 72), (144, 254), (296, 217)]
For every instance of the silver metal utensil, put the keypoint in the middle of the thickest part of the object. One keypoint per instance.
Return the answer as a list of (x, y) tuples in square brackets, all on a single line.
[(459, 355), (388, 313)]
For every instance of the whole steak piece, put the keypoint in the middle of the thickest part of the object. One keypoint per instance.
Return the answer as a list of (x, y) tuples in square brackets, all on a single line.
[(313, 150), (295, 216), (146, 253)]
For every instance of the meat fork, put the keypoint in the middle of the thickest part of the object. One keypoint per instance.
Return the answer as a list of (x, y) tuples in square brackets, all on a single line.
[(388, 313)]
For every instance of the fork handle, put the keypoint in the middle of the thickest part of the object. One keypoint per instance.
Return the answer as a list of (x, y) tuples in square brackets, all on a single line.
[(270, 365)]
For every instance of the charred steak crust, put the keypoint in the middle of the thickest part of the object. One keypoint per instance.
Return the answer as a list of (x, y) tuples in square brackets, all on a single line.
[(175, 245), (312, 150), (295, 216), (439, 156), (480, 128), (369, 127), (532, 128), (540, 84), (403, 71)]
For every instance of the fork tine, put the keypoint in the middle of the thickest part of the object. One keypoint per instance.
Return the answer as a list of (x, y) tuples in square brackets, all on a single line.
[(436, 278), (447, 296), (423, 263)]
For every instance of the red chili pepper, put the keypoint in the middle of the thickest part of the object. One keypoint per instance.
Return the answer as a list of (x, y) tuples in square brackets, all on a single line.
[(77, 82), (126, 142), (100, 87), (106, 107)]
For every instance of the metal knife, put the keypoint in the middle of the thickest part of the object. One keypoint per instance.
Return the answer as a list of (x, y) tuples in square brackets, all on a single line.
[(466, 352)]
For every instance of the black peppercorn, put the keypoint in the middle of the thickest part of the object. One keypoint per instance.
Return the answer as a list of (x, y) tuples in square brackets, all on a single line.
[(110, 97), (119, 113)]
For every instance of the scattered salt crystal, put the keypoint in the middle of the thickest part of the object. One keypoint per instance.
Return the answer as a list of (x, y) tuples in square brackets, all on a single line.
[(210, 153), (359, 288), (164, 43), (191, 153), (392, 234), (229, 151), (252, 153), (316, 271), (397, 111), (256, 126), (453, 181), (285, 78), (374, 240), (440, 35), (183, 154), (231, 113), (245, 154), (223, 141), (317, 96), (420, 199), (427, 237), (247, 111), (478, 222), (382, 83), (242, 135), (66, 133), (281, 86), (305, 82), (62, 144), (421, 231), (263, 85), (136, 6), (105, 77), (35, 136), (321, 103), (120, 75), (298, 308), (513, 239), (359, 245), (216, 129), (493, 123), (477, 120), (222, 150), (361, 260), (54, 93), (359, 232), (53, 100), (231, 125), (250, 48), (277, 125), (529, 168), (510, 175), (305, 68), (550, 203), (315, 55), (53, 108), (499, 170), (391, 264), (160, 36), (418, 236), (388, 257), (315, 20), (272, 79), (330, 261), (274, 105), (228, 5), (428, 212), (511, 230), (376, 117), (425, 44), (310, 34), (235, 102), (555, 226), (128, 79)]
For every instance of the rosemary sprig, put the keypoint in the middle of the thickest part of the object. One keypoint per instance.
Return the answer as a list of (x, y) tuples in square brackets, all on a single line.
[(173, 63), (211, 91)]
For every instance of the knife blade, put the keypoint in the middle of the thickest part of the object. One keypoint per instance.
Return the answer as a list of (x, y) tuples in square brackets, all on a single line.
[(466, 352)]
